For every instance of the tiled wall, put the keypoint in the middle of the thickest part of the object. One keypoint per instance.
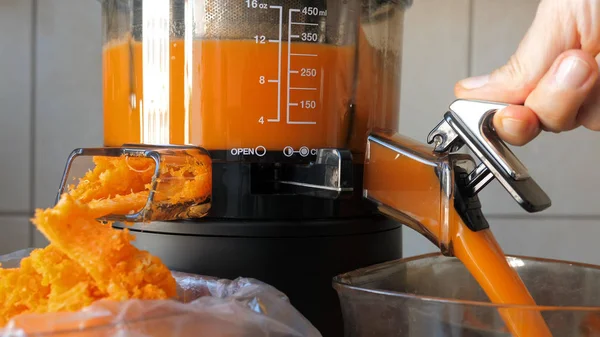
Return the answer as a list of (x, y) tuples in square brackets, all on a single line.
[(50, 103)]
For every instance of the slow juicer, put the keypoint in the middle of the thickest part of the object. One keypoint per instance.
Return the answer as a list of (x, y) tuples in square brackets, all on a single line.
[(290, 99), (263, 85)]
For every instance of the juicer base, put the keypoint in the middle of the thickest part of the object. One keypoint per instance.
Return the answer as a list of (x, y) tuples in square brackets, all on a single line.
[(299, 258)]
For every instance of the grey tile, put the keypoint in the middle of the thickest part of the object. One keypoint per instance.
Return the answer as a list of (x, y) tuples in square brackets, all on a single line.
[(15, 233), (435, 56), (564, 164), (69, 88), (497, 28), (566, 239), (15, 110)]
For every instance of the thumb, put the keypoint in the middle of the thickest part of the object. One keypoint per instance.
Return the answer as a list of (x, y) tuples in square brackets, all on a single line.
[(547, 37)]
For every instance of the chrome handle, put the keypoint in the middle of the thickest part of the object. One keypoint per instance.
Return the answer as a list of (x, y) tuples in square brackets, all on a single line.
[(470, 123)]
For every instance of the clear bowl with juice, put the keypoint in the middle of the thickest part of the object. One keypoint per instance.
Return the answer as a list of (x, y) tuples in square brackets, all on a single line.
[(230, 74), (434, 295)]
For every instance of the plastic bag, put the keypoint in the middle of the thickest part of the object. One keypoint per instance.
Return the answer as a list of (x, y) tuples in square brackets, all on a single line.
[(209, 307)]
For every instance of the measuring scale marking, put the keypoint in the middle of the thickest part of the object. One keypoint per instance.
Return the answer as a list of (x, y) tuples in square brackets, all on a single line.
[(278, 80), (291, 36), (309, 103)]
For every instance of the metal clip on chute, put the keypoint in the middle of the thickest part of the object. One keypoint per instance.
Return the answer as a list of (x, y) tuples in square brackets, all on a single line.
[(329, 176), (179, 181), (470, 123)]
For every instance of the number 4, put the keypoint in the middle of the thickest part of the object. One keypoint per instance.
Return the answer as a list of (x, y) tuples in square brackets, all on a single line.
[(261, 120)]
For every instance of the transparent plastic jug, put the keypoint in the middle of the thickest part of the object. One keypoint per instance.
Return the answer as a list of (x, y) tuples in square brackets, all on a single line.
[(433, 295)]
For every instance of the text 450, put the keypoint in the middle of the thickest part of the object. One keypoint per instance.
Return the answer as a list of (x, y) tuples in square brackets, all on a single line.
[(313, 11)]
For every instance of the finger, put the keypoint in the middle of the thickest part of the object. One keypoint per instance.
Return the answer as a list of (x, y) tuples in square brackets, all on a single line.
[(516, 124), (480, 88), (561, 92), (545, 40), (589, 114)]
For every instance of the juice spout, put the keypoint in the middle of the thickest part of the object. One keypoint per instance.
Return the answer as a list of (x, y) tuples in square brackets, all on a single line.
[(413, 184), (425, 186)]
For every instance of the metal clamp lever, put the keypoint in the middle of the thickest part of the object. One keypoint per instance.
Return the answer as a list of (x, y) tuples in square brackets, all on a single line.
[(470, 123), (329, 176)]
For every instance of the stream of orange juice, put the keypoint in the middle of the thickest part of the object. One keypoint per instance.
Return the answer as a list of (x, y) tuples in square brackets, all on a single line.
[(218, 95), (485, 260)]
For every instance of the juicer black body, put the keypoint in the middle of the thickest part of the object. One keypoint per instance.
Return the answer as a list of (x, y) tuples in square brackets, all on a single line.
[(262, 229)]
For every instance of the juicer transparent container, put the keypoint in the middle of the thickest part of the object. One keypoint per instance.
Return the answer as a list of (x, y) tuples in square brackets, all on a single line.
[(433, 295), (251, 76)]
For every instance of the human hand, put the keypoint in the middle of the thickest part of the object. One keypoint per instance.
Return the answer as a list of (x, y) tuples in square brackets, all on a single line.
[(552, 77)]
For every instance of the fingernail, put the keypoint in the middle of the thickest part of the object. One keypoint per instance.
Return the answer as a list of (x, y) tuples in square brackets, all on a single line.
[(572, 73), (515, 127), (475, 82)]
